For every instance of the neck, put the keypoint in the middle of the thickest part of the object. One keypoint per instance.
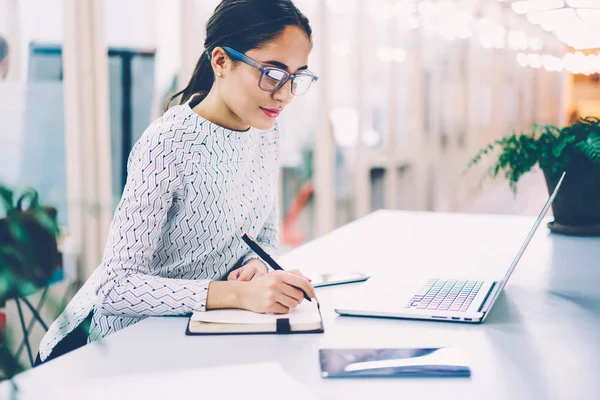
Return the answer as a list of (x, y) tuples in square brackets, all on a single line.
[(212, 108)]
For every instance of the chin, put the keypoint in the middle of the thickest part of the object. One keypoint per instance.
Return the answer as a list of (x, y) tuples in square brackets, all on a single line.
[(263, 124)]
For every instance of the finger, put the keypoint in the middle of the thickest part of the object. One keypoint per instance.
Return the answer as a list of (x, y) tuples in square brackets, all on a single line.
[(233, 275), (300, 283), (293, 292), (258, 273), (289, 302), (247, 274), (262, 267), (300, 274)]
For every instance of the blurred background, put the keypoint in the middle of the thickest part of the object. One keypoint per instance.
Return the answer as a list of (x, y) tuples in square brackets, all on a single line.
[(409, 91)]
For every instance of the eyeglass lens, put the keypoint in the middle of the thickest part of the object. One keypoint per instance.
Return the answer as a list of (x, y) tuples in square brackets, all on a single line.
[(273, 79)]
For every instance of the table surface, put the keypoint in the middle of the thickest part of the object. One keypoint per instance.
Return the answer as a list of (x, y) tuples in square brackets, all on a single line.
[(540, 341)]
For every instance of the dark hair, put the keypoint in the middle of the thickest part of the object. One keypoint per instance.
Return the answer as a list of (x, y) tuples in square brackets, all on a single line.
[(243, 25), (3, 48)]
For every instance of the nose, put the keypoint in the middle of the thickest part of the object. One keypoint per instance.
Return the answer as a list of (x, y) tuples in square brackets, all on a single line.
[(284, 93)]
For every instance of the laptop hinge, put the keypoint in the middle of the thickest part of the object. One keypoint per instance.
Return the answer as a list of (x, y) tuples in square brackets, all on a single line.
[(484, 304)]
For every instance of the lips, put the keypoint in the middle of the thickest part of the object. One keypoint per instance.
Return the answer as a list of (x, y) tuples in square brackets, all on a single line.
[(271, 112)]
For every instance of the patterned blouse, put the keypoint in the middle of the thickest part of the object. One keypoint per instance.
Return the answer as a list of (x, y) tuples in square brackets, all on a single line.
[(193, 188)]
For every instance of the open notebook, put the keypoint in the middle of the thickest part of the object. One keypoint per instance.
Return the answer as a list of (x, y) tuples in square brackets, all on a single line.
[(306, 318)]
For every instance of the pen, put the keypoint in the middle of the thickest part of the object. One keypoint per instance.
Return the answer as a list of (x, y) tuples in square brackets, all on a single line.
[(265, 256)]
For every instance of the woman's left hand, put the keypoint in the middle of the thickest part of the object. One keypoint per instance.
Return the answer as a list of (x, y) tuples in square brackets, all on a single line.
[(252, 269)]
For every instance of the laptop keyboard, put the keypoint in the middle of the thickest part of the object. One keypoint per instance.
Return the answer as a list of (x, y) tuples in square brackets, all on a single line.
[(445, 295)]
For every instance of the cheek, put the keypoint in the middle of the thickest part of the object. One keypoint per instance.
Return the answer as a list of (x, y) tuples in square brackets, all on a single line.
[(244, 93), (244, 97)]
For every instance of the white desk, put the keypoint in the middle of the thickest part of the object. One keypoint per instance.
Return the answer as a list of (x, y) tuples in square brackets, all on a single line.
[(541, 341)]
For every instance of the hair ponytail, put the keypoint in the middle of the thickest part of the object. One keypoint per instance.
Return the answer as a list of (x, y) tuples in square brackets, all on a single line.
[(200, 83), (243, 25)]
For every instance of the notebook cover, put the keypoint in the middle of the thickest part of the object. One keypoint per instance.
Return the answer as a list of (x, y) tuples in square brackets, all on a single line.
[(284, 332)]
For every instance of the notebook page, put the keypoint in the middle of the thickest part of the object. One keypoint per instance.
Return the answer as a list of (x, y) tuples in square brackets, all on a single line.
[(306, 312)]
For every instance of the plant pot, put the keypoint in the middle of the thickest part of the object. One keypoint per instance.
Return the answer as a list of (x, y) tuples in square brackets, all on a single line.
[(576, 207)]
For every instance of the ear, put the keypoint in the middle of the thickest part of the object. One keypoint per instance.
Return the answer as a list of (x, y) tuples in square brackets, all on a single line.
[(220, 60)]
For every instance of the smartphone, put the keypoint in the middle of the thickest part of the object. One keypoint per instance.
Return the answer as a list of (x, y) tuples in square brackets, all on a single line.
[(338, 278), (394, 362)]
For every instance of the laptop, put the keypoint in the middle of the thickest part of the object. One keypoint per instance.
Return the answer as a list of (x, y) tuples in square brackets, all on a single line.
[(443, 299)]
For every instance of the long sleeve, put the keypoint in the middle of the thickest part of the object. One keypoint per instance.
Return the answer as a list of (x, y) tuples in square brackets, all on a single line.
[(128, 287), (268, 238)]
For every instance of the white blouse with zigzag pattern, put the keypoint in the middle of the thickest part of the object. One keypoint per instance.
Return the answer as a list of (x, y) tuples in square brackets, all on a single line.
[(193, 188)]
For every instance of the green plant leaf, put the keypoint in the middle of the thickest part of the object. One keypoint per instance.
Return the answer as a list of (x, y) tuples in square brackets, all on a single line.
[(591, 147), (7, 198), (548, 146)]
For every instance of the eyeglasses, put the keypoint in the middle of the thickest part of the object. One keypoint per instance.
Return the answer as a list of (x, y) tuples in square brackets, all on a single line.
[(272, 79)]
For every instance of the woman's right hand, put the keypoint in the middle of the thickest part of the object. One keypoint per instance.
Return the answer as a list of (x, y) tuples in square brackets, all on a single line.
[(277, 292)]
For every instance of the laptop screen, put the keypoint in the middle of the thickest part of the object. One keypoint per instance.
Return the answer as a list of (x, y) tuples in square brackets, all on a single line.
[(534, 228)]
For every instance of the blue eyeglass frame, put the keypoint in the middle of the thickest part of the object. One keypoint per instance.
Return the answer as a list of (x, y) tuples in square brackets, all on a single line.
[(237, 56)]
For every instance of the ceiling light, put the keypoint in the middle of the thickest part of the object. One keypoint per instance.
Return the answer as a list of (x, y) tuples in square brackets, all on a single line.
[(584, 3), (524, 7), (589, 16), (551, 63), (534, 61), (578, 63), (554, 19), (580, 37)]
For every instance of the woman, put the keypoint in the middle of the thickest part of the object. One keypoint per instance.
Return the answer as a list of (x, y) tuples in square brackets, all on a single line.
[(199, 177)]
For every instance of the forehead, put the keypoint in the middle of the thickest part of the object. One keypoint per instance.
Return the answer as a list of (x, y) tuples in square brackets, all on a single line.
[(291, 48)]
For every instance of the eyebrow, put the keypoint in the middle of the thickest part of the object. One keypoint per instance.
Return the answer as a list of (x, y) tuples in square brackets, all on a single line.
[(283, 66)]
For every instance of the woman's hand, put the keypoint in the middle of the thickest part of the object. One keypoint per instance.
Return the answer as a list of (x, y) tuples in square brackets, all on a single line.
[(251, 270), (278, 292)]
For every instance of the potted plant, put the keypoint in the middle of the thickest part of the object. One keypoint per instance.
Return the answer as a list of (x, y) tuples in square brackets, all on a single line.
[(28, 256), (574, 149)]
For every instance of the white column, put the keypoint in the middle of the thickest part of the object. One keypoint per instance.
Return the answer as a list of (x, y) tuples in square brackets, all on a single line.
[(362, 181), (473, 135), (191, 40), (566, 97), (433, 154), (13, 37), (87, 132), (324, 152), (392, 153), (455, 154), (417, 132)]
